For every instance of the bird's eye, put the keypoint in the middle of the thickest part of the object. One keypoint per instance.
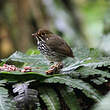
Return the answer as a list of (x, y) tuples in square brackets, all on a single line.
[(42, 35)]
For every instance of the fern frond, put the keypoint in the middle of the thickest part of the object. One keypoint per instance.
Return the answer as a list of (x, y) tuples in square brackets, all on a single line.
[(69, 97), (104, 104), (88, 62), (50, 98), (26, 98), (34, 60), (83, 53), (99, 80), (5, 102), (2, 82), (98, 62), (75, 83), (87, 71)]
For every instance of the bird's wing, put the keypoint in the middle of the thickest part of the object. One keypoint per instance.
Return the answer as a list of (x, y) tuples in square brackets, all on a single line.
[(58, 45)]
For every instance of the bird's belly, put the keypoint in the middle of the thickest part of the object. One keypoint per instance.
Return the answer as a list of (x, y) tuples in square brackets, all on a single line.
[(44, 49), (51, 55)]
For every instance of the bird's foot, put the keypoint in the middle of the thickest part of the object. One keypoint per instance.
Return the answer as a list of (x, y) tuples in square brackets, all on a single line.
[(54, 68)]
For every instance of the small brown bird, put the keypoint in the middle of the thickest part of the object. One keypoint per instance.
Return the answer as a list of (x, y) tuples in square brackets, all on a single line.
[(52, 46)]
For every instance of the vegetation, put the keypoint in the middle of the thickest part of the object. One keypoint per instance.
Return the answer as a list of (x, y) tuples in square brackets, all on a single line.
[(76, 87)]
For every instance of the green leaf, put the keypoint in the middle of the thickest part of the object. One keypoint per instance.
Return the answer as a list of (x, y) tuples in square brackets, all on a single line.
[(21, 57), (75, 83), (2, 82), (82, 53), (88, 58), (104, 104), (30, 60), (18, 76), (50, 98), (69, 97), (87, 71), (88, 62), (26, 98), (32, 52), (1, 64), (99, 80), (98, 62), (5, 102)]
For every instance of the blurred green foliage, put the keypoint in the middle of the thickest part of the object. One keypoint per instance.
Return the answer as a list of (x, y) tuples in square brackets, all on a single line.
[(104, 104)]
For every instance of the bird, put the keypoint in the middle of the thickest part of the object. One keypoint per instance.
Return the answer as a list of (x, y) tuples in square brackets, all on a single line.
[(52, 46)]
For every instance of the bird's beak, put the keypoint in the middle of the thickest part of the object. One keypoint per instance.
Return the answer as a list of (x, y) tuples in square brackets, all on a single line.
[(33, 35)]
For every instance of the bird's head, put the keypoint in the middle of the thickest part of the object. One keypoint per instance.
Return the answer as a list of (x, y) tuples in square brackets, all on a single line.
[(42, 35)]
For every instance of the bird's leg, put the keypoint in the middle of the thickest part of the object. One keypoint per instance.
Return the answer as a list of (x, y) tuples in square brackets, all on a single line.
[(58, 65), (54, 68)]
